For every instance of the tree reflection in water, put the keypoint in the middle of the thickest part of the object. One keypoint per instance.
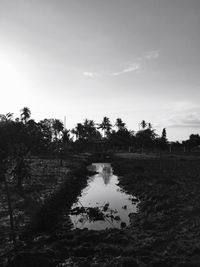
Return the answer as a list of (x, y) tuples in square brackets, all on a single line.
[(104, 197)]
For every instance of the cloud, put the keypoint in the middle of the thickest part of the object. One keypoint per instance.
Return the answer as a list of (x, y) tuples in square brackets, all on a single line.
[(151, 54), (91, 74), (182, 106), (130, 68), (186, 121), (182, 115), (135, 66)]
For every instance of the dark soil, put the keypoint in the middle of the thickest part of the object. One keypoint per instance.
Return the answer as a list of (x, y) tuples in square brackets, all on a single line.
[(165, 231), (167, 227)]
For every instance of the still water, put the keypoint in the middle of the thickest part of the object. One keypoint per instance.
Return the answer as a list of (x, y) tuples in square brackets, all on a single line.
[(102, 203)]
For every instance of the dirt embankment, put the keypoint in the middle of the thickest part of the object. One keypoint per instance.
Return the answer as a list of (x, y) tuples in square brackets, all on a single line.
[(42, 205)]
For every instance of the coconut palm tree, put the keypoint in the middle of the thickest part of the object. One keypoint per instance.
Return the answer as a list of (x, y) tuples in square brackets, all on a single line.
[(120, 124), (90, 130), (7, 117), (143, 124), (88, 124), (25, 114), (106, 126), (78, 131)]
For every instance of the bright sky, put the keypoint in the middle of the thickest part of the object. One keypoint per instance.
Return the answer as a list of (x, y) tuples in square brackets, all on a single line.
[(134, 59)]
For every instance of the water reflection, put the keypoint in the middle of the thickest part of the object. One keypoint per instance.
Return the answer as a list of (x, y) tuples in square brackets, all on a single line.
[(106, 174), (102, 204)]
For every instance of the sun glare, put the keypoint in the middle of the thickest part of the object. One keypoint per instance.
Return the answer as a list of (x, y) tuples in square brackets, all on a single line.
[(12, 82)]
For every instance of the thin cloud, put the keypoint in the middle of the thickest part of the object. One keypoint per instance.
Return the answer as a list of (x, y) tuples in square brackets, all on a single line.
[(183, 106), (132, 67), (182, 115), (188, 120), (152, 54), (91, 74)]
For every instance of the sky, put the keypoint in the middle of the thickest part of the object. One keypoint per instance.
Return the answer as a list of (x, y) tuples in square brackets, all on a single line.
[(133, 59)]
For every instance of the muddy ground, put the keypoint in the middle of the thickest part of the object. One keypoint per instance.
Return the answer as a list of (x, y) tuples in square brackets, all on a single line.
[(165, 232), (167, 227)]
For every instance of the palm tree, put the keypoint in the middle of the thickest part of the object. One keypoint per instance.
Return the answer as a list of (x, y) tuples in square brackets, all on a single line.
[(143, 124), (57, 127), (106, 126), (78, 131), (88, 124), (90, 129), (120, 124), (25, 114), (7, 117)]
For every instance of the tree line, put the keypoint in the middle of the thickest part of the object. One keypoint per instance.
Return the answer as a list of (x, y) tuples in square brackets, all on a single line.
[(24, 136)]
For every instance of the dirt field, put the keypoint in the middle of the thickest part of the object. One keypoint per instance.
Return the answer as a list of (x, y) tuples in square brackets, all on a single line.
[(165, 232)]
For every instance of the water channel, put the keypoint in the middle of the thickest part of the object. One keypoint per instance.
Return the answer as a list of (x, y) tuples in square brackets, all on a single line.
[(103, 204)]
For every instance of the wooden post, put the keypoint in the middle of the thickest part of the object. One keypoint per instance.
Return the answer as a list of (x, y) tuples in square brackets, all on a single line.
[(160, 161), (170, 148)]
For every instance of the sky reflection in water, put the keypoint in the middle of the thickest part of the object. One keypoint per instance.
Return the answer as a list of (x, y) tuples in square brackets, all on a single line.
[(102, 188)]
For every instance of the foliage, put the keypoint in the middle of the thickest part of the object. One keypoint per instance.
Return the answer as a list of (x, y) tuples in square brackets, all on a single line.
[(86, 132), (164, 134), (25, 114), (20, 171), (26, 136), (65, 136), (193, 142), (106, 126), (143, 124), (120, 124), (122, 138), (57, 127), (146, 137)]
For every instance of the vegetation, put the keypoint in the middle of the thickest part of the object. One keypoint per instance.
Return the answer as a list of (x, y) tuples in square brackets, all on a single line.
[(166, 228), (41, 192), (22, 136)]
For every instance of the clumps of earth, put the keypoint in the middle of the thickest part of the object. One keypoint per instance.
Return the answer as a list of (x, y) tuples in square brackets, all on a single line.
[(98, 213)]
